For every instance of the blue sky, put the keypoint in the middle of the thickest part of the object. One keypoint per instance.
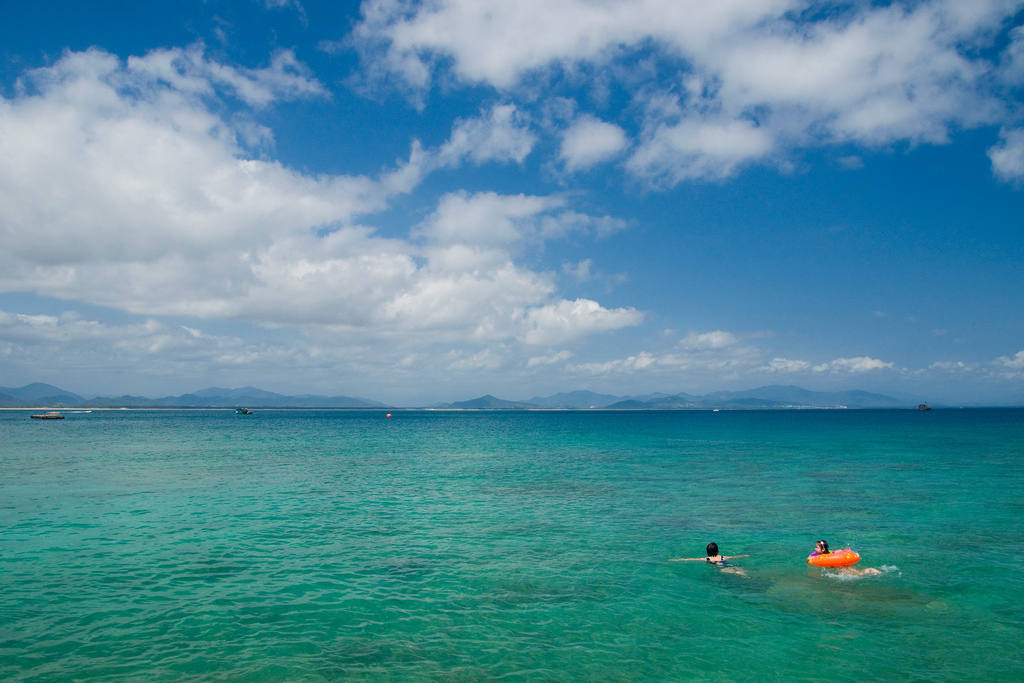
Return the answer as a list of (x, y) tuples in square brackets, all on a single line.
[(416, 202)]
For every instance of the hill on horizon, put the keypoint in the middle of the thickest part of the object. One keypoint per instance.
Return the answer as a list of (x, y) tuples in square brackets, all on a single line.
[(45, 395), (574, 400), (766, 397), (488, 402), (38, 394)]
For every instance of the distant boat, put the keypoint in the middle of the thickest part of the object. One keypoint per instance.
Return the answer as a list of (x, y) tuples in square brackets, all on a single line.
[(923, 406), (243, 411), (52, 415)]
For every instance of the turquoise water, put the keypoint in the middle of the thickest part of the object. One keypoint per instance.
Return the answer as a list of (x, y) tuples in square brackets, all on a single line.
[(468, 546)]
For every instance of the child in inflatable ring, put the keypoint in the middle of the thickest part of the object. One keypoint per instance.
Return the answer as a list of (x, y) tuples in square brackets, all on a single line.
[(821, 548)]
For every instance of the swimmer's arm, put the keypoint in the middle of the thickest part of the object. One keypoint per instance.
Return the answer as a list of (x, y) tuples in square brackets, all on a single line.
[(733, 557), (688, 559)]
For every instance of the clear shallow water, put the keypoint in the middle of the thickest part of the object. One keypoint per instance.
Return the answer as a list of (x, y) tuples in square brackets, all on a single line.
[(466, 546)]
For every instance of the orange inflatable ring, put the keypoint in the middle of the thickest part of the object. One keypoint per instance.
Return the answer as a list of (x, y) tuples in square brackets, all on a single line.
[(836, 558)]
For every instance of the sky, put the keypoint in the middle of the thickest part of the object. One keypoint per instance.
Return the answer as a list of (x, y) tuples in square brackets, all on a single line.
[(428, 201)]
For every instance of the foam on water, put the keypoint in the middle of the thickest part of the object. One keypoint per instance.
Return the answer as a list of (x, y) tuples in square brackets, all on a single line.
[(859, 573)]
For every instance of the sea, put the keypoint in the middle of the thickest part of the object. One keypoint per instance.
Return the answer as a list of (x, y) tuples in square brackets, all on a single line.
[(467, 546)]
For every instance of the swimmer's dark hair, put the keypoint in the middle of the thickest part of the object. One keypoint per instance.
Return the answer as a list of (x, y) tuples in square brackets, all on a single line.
[(712, 549), (824, 547)]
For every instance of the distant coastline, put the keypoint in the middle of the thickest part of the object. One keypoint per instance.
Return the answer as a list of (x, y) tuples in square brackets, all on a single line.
[(41, 396)]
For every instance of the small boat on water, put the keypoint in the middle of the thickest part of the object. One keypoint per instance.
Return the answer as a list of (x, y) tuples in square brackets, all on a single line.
[(52, 415), (243, 411), (924, 406)]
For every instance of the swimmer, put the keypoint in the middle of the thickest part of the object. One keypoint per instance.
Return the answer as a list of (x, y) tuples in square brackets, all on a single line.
[(716, 559), (821, 548)]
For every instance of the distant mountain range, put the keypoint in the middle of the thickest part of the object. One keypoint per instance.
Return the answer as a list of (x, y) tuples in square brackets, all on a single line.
[(774, 396), (38, 395), (768, 397)]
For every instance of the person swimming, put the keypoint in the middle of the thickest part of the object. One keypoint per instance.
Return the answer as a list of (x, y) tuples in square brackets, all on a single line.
[(821, 548), (716, 559)]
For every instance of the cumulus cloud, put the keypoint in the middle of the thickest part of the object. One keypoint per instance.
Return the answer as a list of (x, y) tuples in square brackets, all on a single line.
[(753, 79), (1008, 155), (29, 339), (1015, 361), (491, 219), (188, 70), (580, 271), (499, 43), (705, 341), (1012, 63), (590, 141), (145, 204), (640, 361), (502, 134), (487, 218), (699, 352), (786, 365), (154, 206), (567, 320), (719, 354), (952, 366), (854, 365), (485, 359), (712, 148), (549, 359), (1011, 366)]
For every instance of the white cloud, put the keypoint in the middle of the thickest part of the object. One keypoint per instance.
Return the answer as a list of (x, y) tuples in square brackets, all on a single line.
[(189, 71), (758, 78), (499, 42), (487, 218), (708, 352), (1012, 66), (151, 205), (502, 134), (717, 355), (485, 359), (149, 343), (853, 365), (640, 361), (851, 162), (549, 359), (699, 148), (481, 304), (1008, 155), (707, 341), (567, 320), (952, 366), (1013, 363), (590, 141), (786, 365), (491, 219), (580, 271)]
